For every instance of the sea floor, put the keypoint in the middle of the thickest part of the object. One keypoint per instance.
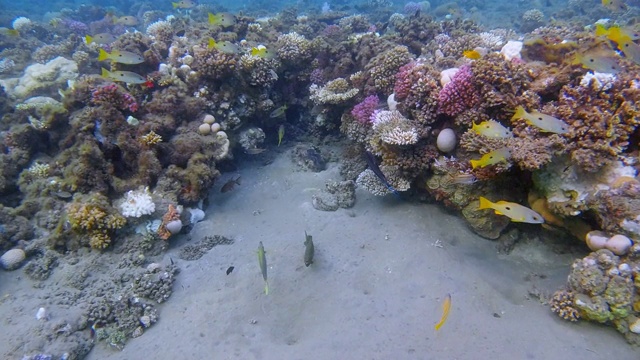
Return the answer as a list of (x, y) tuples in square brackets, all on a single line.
[(375, 290)]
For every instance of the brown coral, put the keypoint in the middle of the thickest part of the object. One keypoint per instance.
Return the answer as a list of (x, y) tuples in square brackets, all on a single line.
[(383, 68), (562, 304), (172, 214)]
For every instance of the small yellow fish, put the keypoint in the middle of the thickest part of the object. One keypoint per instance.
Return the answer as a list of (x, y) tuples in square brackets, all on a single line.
[(100, 39), (472, 54), (516, 212), (262, 51), (262, 261), (183, 4), (9, 32), (222, 19), (599, 59), (124, 76), (126, 20), (614, 5), (492, 158), (280, 134), (120, 56), (446, 307), (279, 112), (492, 129), (545, 123), (223, 46), (623, 39)]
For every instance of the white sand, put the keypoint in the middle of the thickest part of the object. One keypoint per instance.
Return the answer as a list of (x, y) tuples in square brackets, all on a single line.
[(375, 290)]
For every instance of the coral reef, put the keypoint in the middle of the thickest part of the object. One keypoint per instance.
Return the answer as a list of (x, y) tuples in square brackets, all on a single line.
[(336, 195)]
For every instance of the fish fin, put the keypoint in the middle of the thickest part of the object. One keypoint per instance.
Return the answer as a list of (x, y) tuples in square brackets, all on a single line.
[(103, 55), (520, 113), (485, 203), (601, 30), (88, 39), (498, 212)]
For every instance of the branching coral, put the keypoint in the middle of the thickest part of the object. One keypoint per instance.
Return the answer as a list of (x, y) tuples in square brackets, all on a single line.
[(259, 71), (417, 91), (601, 121), (94, 218), (212, 63), (382, 69), (459, 94), (294, 49), (336, 91), (562, 304)]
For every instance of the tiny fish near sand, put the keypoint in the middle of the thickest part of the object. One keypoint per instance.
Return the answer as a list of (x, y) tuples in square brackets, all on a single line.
[(262, 261), (230, 185), (309, 249), (446, 306)]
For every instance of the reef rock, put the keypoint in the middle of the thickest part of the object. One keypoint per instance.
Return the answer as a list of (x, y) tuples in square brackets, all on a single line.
[(337, 195), (42, 79)]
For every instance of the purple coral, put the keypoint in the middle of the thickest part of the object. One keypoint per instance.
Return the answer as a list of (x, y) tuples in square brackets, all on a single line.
[(114, 95), (404, 81), (75, 26), (459, 94), (364, 110)]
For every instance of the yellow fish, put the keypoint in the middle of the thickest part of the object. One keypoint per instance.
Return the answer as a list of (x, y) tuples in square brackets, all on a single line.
[(9, 32), (222, 19), (492, 158), (124, 76), (516, 212), (471, 54), (492, 129), (120, 56), (280, 134), (262, 51), (262, 262), (279, 112), (614, 5), (183, 4), (100, 39), (446, 306), (599, 59), (223, 46), (126, 20), (545, 123), (623, 39)]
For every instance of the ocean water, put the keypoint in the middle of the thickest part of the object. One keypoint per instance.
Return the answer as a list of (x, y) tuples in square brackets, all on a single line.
[(467, 172)]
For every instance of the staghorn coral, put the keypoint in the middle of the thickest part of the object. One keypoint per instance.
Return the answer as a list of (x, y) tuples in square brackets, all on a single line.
[(151, 139), (601, 121), (335, 92), (383, 68)]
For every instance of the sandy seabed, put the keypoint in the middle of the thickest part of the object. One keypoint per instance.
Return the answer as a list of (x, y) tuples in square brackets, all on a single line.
[(375, 290)]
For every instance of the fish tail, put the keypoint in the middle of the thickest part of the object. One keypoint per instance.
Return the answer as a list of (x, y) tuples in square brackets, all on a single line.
[(175, 4), (88, 39), (211, 44), (266, 288), (105, 73), (485, 203), (474, 163), (237, 181), (212, 19), (103, 55), (601, 30), (520, 113)]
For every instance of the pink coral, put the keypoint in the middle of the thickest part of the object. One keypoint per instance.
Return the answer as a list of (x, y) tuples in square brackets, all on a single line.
[(459, 94), (364, 110), (114, 95), (404, 80)]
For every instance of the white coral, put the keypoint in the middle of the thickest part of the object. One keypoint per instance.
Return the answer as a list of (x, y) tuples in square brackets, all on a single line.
[(21, 23), (137, 203), (601, 81)]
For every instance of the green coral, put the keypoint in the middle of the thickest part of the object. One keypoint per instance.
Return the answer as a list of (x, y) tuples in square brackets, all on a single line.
[(593, 308)]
